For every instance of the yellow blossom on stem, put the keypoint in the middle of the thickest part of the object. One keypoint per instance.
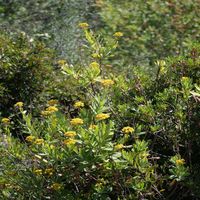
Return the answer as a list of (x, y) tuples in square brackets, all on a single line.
[(45, 113), (127, 129), (107, 82), (38, 172), (84, 25), (56, 186), (76, 121), (94, 65), (5, 121), (180, 162), (79, 104), (96, 55), (30, 138), (52, 109), (39, 141), (62, 62), (49, 171), (118, 34), (69, 141), (119, 146), (19, 104), (52, 102), (70, 134), (102, 116)]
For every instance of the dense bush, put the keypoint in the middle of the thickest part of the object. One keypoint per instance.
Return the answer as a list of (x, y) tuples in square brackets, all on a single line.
[(152, 29), (26, 68), (123, 134)]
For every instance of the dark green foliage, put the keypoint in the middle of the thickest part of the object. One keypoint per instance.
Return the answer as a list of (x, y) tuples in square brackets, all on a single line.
[(25, 70)]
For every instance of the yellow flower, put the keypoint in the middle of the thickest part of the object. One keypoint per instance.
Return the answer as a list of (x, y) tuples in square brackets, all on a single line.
[(94, 65), (39, 141), (30, 138), (127, 129), (84, 25), (52, 102), (38, 172), (180, 162), (93, 126), (96, 55), (76, 121), (56, 186), (19, 104), (102, 116), (52, 109), (79, 104), (119, 146), (62, 62), (107, 82), (49, 171), (45, 113), (70, 134), (118, 34), (5, 121), (69, 141)]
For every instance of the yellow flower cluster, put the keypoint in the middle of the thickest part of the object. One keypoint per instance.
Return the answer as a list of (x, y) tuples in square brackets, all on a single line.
[(30, 138), (119, 146), (38, 172), (56, 186), (102, 116), (69, 141), (180, 162), (62, 62), (79, 104), (127, 129), (96, 55), (107, 82), (70, 134), (84, 25), (52, 102), (118, 34), (49, 171), (50, 110), (76, 121), (19, 104), (94, 65), (5, 121), (39, 141)]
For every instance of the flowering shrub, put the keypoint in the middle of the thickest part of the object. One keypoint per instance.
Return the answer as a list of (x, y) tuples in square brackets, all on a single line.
[(123, 134)]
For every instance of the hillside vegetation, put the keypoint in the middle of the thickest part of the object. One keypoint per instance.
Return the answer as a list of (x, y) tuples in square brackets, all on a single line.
[(113, 114)]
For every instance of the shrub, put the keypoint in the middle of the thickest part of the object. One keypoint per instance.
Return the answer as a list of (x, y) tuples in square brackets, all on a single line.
[(126, 135), (26, 67)]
